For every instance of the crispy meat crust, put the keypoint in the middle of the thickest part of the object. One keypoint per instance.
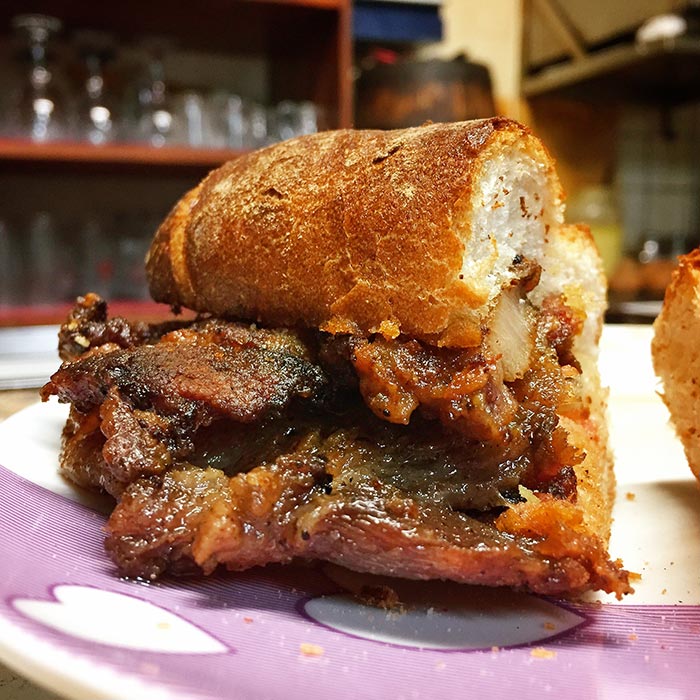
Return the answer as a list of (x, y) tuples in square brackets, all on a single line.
[(291, 509), (88, 326), (348, 231), (303, 468), (197, 373)]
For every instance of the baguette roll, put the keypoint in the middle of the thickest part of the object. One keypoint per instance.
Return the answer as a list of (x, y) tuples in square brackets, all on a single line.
[(403, 232)]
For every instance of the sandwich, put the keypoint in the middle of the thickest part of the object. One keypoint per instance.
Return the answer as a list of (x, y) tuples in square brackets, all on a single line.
[(392, 368), (676, 354)]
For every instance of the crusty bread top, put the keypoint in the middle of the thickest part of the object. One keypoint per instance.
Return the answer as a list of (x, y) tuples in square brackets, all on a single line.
[(411, 231), (676, 354), (572, 266)]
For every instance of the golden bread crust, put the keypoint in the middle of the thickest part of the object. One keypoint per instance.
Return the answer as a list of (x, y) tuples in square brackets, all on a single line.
[(676, 354), (349, 231)]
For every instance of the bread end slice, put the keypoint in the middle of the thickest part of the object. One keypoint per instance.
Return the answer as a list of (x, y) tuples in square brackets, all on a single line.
[(676, 354)]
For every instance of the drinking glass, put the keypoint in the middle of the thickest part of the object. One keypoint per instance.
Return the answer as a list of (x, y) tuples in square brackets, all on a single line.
[(157, 124), (285, 121), (41, 109), (133, 233), (97, 255), (289, 119), (228, 120), (50, 268), (96, 114), (10, 267), (202, 120), (311, 118), (255, 122)]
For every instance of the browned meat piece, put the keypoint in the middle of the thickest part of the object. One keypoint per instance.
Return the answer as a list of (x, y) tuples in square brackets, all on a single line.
[(156, 521), (336, 499), (87, 327), (81, 458), (465, 389), (460, 387), (189, 375), (561, 325), (140, 408), (156, 401), (116, 444), (527, 273)]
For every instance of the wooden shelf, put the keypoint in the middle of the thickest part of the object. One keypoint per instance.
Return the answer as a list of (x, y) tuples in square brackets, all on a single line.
[(52, 314), (665, 72), (306, 43), (123, 154)]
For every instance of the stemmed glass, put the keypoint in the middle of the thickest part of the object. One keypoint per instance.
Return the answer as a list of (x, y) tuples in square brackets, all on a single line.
[(96, 114), (157, 124), (41, 111)]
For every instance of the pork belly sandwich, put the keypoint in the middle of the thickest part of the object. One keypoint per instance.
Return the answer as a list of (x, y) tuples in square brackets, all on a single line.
[(393, 369)]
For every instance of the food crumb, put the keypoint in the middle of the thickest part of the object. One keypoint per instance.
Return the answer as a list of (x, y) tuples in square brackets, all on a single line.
[(495, 649), (630, 496), (634, 576), (308, 649), (632, 637), (542, 653), (663, 592), (247, 620), (383, 597), (440, 665), (549, 626), (163, 625)]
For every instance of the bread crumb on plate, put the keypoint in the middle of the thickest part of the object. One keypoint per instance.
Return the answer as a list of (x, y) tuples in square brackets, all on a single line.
[(308, 649), (542, 653)]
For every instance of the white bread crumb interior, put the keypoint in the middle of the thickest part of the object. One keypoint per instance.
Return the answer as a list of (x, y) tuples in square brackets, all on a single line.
[(516, 202)]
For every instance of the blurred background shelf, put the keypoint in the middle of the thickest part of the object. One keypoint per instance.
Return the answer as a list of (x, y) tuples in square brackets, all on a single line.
[(53, 313), (117, 155), (305, 44), (662, 73), (78, 216)]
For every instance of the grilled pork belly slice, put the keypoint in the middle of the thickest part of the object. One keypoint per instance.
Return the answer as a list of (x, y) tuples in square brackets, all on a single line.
[(227, 444)]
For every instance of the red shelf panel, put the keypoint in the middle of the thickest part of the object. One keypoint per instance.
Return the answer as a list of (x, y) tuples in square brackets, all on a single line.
[(49, 314), (114, 154)]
